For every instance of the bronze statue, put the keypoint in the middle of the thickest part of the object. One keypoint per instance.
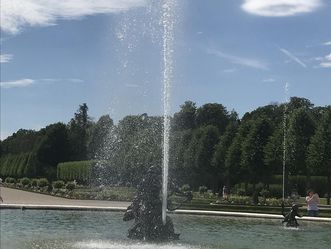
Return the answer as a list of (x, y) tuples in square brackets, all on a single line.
[(290, 218), (146, 210)]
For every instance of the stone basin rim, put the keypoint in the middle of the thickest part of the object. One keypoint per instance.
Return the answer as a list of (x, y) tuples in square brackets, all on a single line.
[(179, 211)]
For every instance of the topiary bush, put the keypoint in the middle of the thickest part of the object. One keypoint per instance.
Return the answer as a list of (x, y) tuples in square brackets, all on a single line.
[(71, 186), (80, 171), (25, 181), (10, 180), (34, 182), (43, 182), (58, 184)]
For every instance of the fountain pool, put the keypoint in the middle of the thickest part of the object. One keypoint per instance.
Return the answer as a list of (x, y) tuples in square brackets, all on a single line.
[(45, 229)]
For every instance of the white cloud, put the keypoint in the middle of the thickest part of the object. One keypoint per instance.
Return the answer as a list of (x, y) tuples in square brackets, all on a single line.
[(269, 80), (16, 14), (248, 62), (4, 58), (280, 8), (326, 62), (29, 82), (292, 57), (327, 43), (17, 83)]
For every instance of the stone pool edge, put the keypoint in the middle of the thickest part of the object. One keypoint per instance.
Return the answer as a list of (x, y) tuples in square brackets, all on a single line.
[(179, 211)]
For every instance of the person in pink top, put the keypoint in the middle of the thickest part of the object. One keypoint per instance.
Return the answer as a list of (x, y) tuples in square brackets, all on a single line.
[(312, 200)]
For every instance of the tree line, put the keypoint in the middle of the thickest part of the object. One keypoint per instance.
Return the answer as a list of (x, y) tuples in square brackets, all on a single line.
[(209, 146)]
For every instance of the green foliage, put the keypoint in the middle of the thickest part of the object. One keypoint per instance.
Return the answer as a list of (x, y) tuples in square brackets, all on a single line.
[(34, 182), (23, 141), (208, 146), (79, 132), (25, 181), (18, 165), (43, 182), (202, 189), (54, 146), (10, 180), (80, 171), (198, 156), (70, 186), (100, 135), (301, 128), (185, 188), (58, 184), (185, 118), (221, 152), (213, 114), (252, 158)]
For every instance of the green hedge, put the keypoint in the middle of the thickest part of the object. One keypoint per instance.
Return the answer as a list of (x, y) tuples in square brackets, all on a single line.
[(299, 182), (81, 171), (19, 165)]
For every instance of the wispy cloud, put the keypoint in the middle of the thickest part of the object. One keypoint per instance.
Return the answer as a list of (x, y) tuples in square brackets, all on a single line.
[(327, 43), (16, 14), (247, 62), (17, 83), (269, 80), (28, 82), (326, 61), (4, 58), (293, 57), (280, 8)]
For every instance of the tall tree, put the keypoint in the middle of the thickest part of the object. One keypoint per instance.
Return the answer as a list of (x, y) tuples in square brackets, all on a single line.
[(199, 154), (221, 151), (252, 159), (185, 118), (79, 131), (300, 129), (233, 172), (100, 134), (213, 114), (319, 151), (53, 149)]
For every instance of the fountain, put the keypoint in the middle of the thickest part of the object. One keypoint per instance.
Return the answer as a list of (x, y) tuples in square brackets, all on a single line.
[(168, 37), (146, 210)]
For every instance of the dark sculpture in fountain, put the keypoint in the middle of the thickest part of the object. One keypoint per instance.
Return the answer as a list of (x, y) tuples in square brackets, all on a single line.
[(146, 210), (290, 218)]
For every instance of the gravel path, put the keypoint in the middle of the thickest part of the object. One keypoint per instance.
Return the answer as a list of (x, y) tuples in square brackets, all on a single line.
[(14, 196)]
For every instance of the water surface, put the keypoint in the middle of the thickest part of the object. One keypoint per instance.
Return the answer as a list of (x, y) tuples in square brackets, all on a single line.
[(46, 229)]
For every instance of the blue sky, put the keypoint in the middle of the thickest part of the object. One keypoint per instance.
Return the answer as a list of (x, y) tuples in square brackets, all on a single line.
[(56, 55)]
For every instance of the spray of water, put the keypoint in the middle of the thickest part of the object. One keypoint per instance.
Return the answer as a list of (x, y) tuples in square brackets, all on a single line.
[(286, 90), (168, 42)]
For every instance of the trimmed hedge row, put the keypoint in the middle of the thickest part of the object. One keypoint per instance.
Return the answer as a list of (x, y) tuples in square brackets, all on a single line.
[(299, 182), (81, 171), (20, 165)]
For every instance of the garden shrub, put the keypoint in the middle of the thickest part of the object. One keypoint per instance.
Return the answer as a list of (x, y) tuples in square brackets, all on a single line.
[(203, 189), (25, 181), (71, 186), (80, 171), (185, 188), (43, 182), (58, 184), (265, 193), (10, 180), (34, 182)]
